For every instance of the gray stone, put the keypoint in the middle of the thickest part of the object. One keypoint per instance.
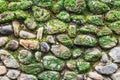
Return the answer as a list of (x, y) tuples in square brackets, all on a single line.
[(3, 41), (107, 69), (12, 45), (44, 47), (116, 76), (25, 34), (13, 74), (38, 56), (115, 54), (104, 58), (4, 78), (50, 39), (6, 30)]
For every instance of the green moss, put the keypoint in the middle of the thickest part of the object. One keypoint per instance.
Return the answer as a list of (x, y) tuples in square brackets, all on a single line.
[(92, 57), (77, 52), (3, 6)]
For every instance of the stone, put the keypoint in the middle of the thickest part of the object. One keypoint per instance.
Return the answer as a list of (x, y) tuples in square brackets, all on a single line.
[(70, 75), (116, 76), (25, 34), (13, 74), (3, 70), (25, 56), (107, 69), (115, 54), (85, 40), (95, 19), (71, 64), (61, 51), (6, 30), (3, 41), (64, 16), (16, 28), (40, 33), (72, 30), (76, 6), (29, 44), (33, 68), (4, 78), (92, 54), (64, 39), (12, 45), (97, 7), (50, 39), (30, 23), (108, 42), (80, 77), (55, 26), (53, 63), (49, 75), (95, 76), (104, 58), (77, 53), (38, 56), (44, 47), (83, 66), (27, 77)]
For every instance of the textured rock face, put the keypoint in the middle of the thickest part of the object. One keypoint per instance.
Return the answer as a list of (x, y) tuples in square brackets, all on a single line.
[(59, 39)]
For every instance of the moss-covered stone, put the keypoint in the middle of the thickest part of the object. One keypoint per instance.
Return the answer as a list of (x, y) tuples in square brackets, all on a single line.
[(83, 66), (34, 68), (79, 19), (3, 5), (49, 75), (71, 64), (116, 4), (77, 53), (97, 7), (72, 30), (104, 31), (55, 26), (64, 16), (107, 42), (19, 5), (40, 14), (93, 54), (70, 75), (75, 5), (95, 19), (89, 29), (61, 51), (85, 40), (64, 39), (115, 26), (113, 15), (108, 2), (53, 63)]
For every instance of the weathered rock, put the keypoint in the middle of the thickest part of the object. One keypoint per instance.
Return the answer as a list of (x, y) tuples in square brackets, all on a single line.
[(80, 77), (4, 78), (72, 30), (95, 76), (107, 42), (40, 33), (70, 75), (104, 58), (16, 28), (61, 51), (115, 54), (97, 7), (29, 44), (50, 39), (49, 75), (116, 76), (6, 30), (55, 26), (53, 63), (107, 69), (38, 56), (25, 56), (13, 74), (25, 34), (27, 77), (92, 54), (3, 41), (75, 5), (34, 68), (3, 70), (12, 45), (71, 64), (44, 47), (85, 40), (77, 53), (64, 39)]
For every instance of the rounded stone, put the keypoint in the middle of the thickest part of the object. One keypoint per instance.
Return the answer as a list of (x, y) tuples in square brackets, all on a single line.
[(71, 64), (44, 47), (50, 39), (13, 74), (38, 56), (12, 45), (6, 30), (61, 51), (3, 70), (53, 63), (3, 41), (77, 53), (4, 78)]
